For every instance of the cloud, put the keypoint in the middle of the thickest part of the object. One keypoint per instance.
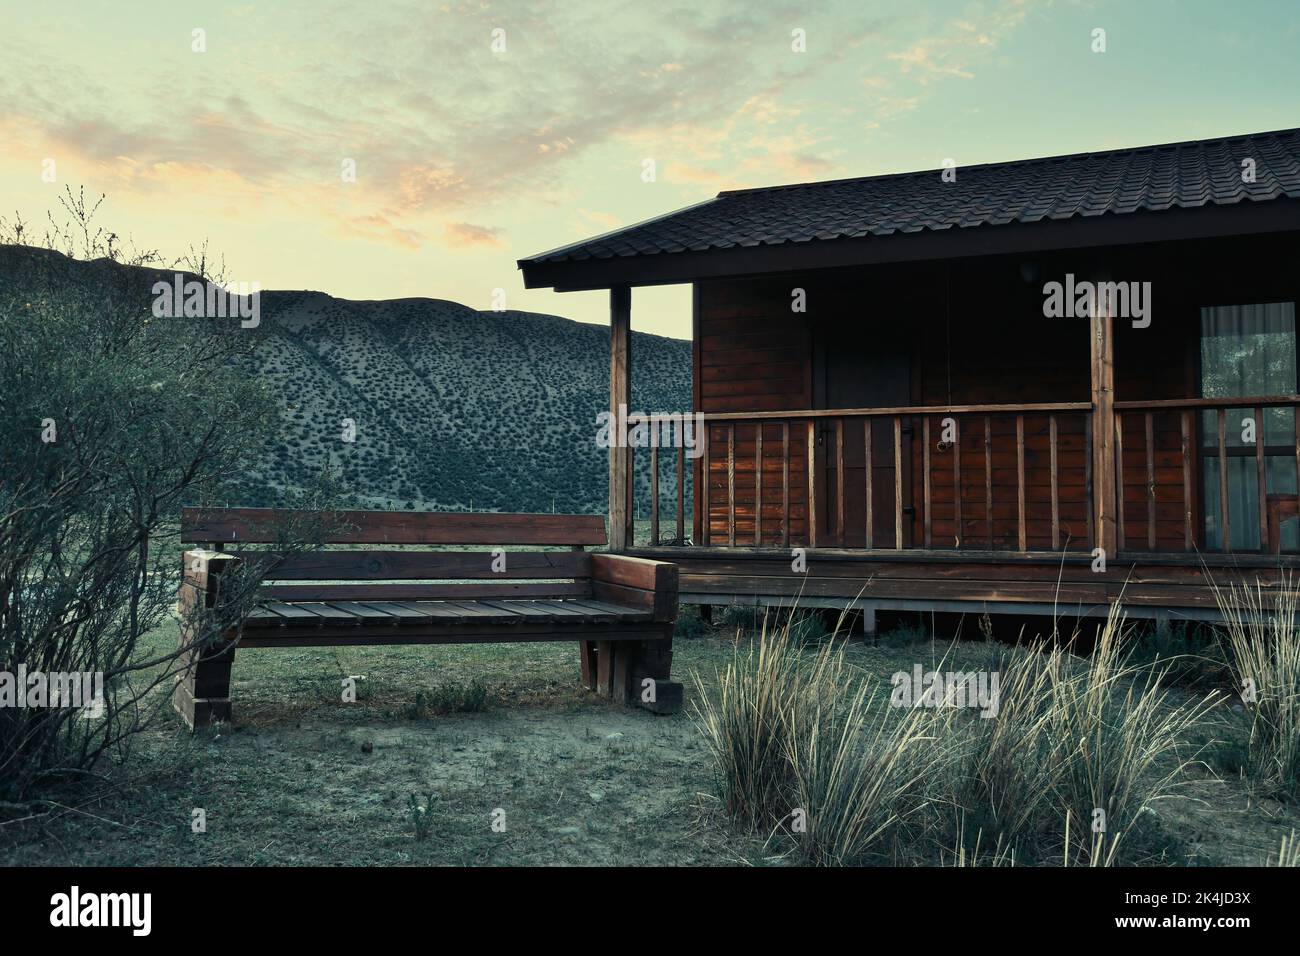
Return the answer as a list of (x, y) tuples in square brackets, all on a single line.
[(467, 234)]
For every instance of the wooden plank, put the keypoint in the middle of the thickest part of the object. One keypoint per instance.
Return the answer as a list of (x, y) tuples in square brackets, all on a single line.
[(702, 492), (1224, 521), (867, 432), (439, 610), (988, 476), (956, 485), (480, 611), (1121, 541), (925, 469), (839, 482), (434, 633), (1186, 427), (1261, 477), (654, 493), (418, 565), (368, 614), (271, 525), (332, 614), (292, 613), (620, 611), (681, 493), (812, 483), (1020, 483), (1102, 384), (884, 411), (1089, 485), (1149, 425), (420, 592), (758, 485), (634, 572), (785, 481), (898, 483), (620, 398), (404, 614), (731, 486), (1056, 490)]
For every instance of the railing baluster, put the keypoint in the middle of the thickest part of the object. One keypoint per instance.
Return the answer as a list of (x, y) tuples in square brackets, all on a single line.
[(956, 483), (654, 491), (1186, 423), (1120, 542), (898, 482), (988, 476), (702, 493), (925, 468), (1055, 480), (758, 486), (867, 432), (681, 492), (1261, 476), (1149, 422), (731, 485), (812, 482), (629, 525), (1022, 538), (1089, 496), (785, 484), (839, 482), (1224, 521)]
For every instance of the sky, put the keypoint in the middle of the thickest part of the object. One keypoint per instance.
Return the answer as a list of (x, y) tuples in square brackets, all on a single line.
[(483, 132)]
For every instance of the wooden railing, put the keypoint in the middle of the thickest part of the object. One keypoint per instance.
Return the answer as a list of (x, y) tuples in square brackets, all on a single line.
[(980, 477), (1159, 449), (984, 476)]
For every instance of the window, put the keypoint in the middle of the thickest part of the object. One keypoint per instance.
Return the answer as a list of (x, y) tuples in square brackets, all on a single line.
[(1247, 350)]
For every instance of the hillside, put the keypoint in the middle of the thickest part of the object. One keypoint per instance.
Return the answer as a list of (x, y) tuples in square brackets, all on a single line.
[(452, 408)]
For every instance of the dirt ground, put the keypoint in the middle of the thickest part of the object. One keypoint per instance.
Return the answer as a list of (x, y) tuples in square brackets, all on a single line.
[(303, 778)]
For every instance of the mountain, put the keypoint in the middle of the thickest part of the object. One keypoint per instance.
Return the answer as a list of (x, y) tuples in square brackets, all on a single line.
[(452, 407), (446, 407)]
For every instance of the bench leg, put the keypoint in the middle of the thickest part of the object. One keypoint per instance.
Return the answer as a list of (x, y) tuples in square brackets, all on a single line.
[(202, 695), (650, 672), (632, 672), (587, 655)]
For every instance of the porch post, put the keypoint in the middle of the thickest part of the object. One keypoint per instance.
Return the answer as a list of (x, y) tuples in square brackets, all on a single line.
[(620, 393), (1104, 493)]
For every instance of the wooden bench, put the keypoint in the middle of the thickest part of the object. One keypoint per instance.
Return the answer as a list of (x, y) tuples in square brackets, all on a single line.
[(619, 609)]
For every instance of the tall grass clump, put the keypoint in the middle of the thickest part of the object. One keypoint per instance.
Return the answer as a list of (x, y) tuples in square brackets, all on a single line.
[(1264, 657), (745, 726), (1081, 750), (801, 747)]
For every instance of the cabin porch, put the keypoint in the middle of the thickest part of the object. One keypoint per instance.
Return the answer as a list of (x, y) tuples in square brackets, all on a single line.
[(925, 454)]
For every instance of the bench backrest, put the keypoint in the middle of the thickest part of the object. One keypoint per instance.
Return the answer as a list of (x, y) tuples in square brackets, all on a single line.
[(409, 574)]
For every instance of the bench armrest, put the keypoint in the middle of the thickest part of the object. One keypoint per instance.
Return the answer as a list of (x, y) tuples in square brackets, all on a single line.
[(201, 573), (638, 582)]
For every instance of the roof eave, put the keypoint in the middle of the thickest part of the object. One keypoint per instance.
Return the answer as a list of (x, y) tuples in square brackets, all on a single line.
[(1203, 222)]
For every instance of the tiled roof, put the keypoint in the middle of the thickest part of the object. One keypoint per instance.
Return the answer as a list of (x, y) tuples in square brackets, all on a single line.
[(1116, 182)]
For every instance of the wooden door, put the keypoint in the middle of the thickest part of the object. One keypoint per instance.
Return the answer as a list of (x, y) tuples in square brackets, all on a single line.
[(862, 364)]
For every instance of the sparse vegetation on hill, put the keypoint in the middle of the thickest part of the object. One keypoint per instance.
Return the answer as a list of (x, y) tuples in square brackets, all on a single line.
[(448, 407), (453, 408)]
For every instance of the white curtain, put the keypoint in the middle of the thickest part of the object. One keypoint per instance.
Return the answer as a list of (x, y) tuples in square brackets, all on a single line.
[(1248, 350)]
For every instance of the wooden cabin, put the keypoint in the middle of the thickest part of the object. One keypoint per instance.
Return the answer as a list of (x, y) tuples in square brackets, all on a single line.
[(888, 385)]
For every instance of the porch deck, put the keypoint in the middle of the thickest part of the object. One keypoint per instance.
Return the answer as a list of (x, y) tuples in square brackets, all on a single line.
[(973, 508)]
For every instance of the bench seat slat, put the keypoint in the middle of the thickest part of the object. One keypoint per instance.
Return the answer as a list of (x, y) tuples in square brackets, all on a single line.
[(330, 614), (481, 611), (404, 615), (365, 611), (293, 612), (621, 611)]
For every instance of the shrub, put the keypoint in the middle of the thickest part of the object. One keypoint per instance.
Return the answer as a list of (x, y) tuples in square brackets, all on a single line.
[(1264, 657), (113, 418)]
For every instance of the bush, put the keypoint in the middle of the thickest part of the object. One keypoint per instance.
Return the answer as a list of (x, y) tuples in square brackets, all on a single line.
[(1264, 656), (113, 419)]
